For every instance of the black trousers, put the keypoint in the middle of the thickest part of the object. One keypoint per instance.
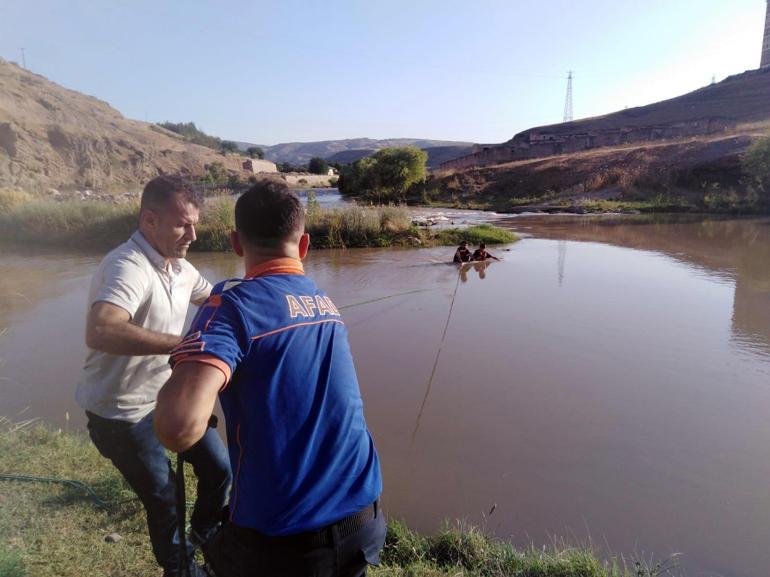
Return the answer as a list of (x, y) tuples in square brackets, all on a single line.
[(136, 452), (240, 552)]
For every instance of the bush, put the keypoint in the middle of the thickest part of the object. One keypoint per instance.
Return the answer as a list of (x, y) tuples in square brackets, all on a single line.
[(756, 162), (318, 165), (216, 224), (216, 173), (229, 147), (13, 197), (359, 227), (255, 152)]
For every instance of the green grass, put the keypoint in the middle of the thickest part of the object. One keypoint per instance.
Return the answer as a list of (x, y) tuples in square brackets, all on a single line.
[(53, 530), (485, 233), (102, 225), (10, 562)]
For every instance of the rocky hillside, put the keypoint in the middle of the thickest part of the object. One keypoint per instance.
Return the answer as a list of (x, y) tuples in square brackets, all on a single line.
[(720, 108), (52, 137), (687, 170)]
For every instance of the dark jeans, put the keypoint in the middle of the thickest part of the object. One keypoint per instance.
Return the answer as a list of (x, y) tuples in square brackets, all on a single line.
[(238, 552), (135, 450)]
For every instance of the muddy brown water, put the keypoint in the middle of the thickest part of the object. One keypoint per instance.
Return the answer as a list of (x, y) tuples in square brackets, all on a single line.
[(608, 381)]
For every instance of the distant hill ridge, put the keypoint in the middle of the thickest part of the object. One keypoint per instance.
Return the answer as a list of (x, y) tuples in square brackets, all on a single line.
[(302, 152), (53, 137), (711, 110)]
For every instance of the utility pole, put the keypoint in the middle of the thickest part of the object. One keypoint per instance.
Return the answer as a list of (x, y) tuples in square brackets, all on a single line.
[(568, 100), (23, 59)]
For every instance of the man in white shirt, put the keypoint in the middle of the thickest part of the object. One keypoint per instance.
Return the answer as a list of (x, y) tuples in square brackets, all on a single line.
[(138, 302)]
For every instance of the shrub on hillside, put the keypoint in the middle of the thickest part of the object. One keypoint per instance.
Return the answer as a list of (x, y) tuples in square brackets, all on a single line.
[(756, 162)]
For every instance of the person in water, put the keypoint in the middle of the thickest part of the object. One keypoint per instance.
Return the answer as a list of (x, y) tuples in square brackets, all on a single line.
[(463, 254), (482, 254)]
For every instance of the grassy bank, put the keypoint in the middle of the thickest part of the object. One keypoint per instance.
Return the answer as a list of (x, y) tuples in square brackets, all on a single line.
[(101, 225), (56, 530)]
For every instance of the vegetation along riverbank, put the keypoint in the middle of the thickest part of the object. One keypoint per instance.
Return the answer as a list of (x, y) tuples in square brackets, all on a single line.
[(29, 219), (96, 526)]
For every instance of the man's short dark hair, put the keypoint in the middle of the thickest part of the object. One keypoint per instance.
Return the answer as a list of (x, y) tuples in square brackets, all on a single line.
[(161, 190), (269, 213)]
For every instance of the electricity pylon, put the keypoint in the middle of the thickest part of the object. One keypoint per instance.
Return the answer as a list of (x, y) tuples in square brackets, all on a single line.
[(568, 101)]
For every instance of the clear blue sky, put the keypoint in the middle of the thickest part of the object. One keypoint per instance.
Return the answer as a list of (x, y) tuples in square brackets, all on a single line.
[(290, 70)]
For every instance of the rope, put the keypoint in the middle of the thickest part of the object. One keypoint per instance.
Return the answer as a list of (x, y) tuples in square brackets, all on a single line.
[(435, 362), (370, 301), (70, 482), (181, 514), (99, 502)]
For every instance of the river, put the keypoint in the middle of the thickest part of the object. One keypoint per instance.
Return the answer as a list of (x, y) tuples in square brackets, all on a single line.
[(607, 382)]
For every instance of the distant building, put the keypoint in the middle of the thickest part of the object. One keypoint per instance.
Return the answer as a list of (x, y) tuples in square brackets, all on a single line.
[(766, 41), (256, 166)]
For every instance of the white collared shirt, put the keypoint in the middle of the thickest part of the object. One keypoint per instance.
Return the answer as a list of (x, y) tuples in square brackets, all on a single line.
[(156, 292)]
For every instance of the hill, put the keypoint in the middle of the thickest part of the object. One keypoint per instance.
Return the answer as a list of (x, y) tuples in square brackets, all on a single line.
[(436, 154), (302, 152), (53, 137), (716, 109), (681, 175)]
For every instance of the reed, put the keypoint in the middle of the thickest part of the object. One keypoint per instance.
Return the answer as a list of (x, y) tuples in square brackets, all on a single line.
[(70, 223), (103, 225)]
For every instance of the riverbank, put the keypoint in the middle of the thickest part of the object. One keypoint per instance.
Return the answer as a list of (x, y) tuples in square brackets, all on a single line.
[(59, 530), (706, 174), (32, 220)]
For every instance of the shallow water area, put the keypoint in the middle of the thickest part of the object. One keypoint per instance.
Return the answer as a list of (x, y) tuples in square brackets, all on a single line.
[(609, 379)]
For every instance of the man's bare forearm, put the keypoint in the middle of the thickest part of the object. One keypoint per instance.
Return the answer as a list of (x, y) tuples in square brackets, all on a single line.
[(125, 338)]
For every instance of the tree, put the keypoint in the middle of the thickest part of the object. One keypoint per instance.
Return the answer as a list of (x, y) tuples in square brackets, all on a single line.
[(192, 134), (255, 152), (386, 176), (400, 168), (228, 146), (318, 165), (286, 167)]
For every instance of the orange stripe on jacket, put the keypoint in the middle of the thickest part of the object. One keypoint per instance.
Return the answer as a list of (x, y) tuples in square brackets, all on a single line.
[(267, 334), (209, 360)]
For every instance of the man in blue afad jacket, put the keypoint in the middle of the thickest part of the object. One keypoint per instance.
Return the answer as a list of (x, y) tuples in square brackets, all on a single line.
[(275, 349)]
